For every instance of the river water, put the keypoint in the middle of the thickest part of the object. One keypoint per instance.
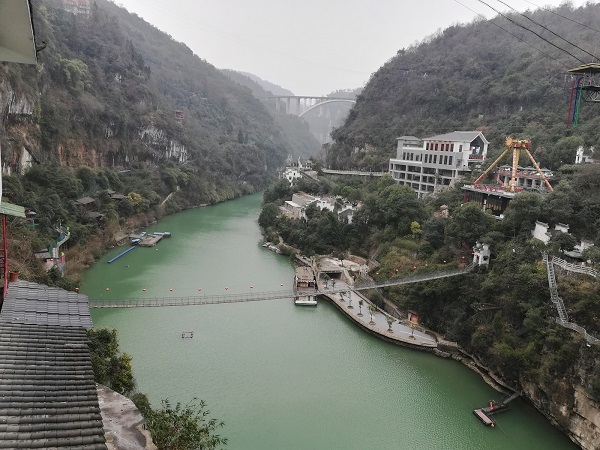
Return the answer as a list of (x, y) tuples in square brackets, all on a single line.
[(280, 376)]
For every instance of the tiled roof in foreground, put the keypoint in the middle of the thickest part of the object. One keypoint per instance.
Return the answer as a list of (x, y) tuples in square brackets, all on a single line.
[(47, 392), (33, 303)]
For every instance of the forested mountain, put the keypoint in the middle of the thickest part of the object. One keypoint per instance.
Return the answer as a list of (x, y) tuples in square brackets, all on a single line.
[(491, 75), (302, 143), (110, 90), (273, 88)]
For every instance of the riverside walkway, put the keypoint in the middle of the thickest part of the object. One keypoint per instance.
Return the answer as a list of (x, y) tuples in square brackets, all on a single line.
[(373, 319)]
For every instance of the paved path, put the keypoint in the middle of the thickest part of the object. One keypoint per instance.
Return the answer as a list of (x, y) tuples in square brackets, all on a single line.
[(400, 332)]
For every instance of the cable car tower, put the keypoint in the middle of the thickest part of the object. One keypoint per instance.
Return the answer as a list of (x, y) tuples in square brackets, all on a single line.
[(516, 146), (586, 87)]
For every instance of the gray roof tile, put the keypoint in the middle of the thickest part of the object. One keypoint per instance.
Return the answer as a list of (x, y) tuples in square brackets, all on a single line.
[(48, 397), (458, 136), (32, 303)]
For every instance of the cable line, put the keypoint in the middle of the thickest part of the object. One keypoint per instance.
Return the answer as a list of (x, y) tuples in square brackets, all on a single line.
[(564, 17), (512, 34), (549, 30), (531, 31)]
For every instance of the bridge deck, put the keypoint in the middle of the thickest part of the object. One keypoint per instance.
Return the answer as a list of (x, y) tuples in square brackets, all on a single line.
[(145, 302)]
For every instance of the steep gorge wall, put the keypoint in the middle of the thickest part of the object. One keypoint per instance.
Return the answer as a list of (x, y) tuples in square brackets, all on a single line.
[(569, 408), (16, 112)]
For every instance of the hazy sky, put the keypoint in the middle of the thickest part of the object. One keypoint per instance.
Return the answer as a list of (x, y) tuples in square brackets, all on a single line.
[(311, 47)]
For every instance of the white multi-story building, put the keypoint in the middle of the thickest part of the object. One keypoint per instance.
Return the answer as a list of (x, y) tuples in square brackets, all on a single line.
[(432, 164)]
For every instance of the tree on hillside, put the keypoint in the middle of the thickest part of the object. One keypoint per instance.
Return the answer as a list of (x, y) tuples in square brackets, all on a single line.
[(111, 367), (434, 231), (184, 427), (268, 215), (559, 205), (522, 213), (467, 224), (397, 206), (563, 152)]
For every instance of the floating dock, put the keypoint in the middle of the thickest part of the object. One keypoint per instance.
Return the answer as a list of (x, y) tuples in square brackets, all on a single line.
[(150, 240), (121, 254), (485, 414)]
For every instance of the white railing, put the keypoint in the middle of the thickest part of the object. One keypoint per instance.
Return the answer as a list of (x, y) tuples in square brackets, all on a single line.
[(562, 318), (575, 267), (560, 306), (573, 326)]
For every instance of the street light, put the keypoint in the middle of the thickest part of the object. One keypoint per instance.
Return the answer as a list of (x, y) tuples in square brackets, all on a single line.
[(412, 326), (390, 321)]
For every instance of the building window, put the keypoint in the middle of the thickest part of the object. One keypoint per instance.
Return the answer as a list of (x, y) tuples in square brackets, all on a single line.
[(460, 148), (450, 161), (435, 159)]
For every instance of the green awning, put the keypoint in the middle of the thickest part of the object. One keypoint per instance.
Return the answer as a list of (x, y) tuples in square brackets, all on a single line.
[(12, 210)]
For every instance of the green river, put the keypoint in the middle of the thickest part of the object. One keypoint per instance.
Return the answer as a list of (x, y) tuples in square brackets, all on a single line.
[(280, 376)]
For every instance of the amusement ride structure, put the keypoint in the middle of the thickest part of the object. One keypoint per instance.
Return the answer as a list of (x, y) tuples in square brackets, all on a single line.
[(516, 146), (586, 87)]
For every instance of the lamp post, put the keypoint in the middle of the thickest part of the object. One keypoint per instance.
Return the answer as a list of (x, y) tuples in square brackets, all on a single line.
[(412, 326), (390, 321), (372, 310)]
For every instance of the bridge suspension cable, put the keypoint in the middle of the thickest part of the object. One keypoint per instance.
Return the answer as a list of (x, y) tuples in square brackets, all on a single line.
[(145, 302)]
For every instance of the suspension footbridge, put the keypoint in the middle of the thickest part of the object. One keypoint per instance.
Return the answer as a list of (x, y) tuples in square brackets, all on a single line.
[(149, 302)]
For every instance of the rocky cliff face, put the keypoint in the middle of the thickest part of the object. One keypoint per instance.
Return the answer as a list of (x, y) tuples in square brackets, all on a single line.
[(570, 408), (17, 141)]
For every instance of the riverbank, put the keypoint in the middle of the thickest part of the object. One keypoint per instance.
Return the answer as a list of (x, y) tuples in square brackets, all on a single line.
[(81, 257)]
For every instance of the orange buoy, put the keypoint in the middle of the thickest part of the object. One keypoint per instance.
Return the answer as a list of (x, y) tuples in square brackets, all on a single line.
[(76, 289)]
